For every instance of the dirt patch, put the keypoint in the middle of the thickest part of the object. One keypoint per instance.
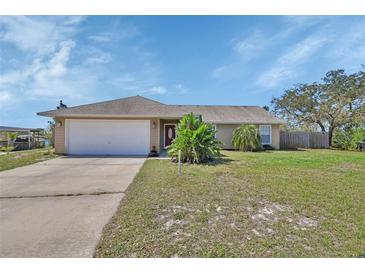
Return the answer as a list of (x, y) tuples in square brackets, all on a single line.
[(173, 216), (305, 222), (349, 166), (268, 214)]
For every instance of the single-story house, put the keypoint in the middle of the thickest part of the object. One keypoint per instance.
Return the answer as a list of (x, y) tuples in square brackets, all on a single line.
[(136, 125)]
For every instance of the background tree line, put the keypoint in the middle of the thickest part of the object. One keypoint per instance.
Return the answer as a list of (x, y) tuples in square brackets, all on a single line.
[(336, 105)]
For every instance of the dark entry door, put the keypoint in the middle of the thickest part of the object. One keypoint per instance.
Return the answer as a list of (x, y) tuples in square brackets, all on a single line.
[(169, 134)]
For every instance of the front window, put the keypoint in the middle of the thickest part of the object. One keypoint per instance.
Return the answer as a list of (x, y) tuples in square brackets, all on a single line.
[(265, 134)]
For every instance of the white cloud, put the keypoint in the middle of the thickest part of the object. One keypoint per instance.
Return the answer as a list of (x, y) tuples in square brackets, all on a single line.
[(40, 73), (250, 46), (116, 31), (103, 37), (123, 80), (256, 43), (36, 34), (74, 20), (44, 64), (287, 65), (220, 71), (56, 67), (350, 47), (45, 71), (5, 97), (99, 58), (156, 90)]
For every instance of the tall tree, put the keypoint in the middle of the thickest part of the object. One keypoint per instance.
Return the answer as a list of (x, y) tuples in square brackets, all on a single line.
[(339, 101)]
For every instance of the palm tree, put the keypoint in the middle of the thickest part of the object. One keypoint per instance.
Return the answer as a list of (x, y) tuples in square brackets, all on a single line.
[(246, 138), (195, 140), (11, 138)]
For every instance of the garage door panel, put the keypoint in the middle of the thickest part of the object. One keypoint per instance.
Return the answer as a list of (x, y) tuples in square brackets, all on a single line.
[(108, 137)]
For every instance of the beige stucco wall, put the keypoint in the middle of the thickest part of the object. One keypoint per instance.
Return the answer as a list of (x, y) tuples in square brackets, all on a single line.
[(224, 134), (155, 134), (225, 131), (59, 136), (60, 132), (275, 136)]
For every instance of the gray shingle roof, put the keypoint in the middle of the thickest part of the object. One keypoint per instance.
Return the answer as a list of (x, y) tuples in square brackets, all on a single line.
[(138, 106)]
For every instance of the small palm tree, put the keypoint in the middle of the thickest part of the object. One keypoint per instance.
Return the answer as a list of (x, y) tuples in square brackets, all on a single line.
[(246, 138), (195, 139), (11, 137)]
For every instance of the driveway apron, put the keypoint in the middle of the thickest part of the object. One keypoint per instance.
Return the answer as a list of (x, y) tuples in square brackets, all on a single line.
[(59, 207)]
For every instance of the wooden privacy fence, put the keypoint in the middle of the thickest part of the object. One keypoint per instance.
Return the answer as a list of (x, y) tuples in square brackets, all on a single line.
[(292, 140)]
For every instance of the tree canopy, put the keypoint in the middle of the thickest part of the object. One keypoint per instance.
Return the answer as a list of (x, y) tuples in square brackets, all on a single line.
[(337, 102)]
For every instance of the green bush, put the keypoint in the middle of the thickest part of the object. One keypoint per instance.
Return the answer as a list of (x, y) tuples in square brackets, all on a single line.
[(7, 148), (268, 147), (246, 138), (196, 141), (348, 138)]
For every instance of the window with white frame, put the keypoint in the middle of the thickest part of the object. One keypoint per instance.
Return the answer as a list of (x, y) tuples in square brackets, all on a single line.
[(265, 134)]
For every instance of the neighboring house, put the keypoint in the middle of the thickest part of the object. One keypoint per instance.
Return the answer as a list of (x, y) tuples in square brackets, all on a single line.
[(135, 125), (26, 137)]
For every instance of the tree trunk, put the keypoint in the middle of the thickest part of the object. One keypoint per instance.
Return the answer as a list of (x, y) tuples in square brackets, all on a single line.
[(330, 135), (323, 129)]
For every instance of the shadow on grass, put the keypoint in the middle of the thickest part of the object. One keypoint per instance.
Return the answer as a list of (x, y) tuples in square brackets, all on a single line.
[(223, 160), (294, 149)]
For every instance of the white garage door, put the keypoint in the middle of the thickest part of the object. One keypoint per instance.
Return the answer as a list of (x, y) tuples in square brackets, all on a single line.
[(108, 137)]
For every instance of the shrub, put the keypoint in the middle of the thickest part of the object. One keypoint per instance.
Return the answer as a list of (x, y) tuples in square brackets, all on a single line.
[(196, 141), (6, 148), (246, 138), (348, 138), (11, 137), (268, 147)]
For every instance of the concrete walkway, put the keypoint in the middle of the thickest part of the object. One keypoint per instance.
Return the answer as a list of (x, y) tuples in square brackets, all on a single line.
[(58, 208)]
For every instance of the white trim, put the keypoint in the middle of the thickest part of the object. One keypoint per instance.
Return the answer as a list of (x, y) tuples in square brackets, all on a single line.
[(164, 133), (269, 135)]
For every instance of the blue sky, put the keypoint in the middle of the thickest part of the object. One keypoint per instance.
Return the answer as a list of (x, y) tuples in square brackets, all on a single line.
[(240, 60)]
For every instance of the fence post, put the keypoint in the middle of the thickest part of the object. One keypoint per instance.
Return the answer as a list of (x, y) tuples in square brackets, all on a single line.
[(179, 164)]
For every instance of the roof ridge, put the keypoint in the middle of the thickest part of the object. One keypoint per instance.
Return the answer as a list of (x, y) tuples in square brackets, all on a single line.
[(108, 101)]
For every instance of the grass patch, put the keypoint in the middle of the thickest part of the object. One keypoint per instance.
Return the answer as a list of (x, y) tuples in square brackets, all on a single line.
[(271, 204), (26, 157)]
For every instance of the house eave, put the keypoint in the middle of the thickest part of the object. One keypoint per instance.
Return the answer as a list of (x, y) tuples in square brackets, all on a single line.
[(154, 116), (247, 122)]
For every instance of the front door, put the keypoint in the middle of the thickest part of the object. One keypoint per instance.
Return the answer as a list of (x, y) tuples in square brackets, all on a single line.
[(169, 134)]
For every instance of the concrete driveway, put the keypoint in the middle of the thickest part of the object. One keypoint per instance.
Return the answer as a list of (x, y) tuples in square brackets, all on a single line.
[(58, 208)]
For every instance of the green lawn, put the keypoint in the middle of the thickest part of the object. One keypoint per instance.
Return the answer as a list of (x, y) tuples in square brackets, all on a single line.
[(268, 204), (23, 158)]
